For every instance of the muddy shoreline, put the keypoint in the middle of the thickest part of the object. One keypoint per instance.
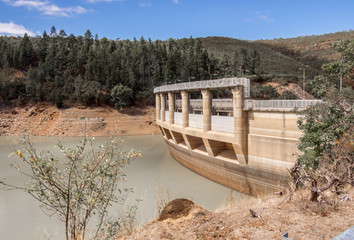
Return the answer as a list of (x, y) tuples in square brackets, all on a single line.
[(45, 119)]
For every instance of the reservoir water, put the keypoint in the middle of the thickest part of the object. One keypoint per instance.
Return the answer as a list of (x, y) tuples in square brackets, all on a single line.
[(22, 218)]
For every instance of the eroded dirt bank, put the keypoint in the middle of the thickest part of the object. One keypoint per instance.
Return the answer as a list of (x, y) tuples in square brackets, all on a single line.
[(299, 217), (47, 120)]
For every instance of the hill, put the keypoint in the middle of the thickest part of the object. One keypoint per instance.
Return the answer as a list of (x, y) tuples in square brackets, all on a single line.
[(271, 61), (311, 50), (282, 57), (68, 70)]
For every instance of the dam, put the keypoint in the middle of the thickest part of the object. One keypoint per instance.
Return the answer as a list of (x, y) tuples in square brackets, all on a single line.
[(247, 145)]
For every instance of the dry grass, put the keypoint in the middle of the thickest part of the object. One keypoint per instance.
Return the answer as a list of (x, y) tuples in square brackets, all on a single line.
[(162, 198), (301, 218)]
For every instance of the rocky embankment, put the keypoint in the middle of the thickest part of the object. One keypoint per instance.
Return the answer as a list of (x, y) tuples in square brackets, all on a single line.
[(47, 120)]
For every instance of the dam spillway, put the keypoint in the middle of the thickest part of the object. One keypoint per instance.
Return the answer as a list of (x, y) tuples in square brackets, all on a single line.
[(247, 145)]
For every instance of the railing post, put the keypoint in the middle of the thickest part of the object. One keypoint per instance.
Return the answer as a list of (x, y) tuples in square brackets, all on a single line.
[(240, 145), (185, 109), (163, 106), (171, 103), (206, 110), (158, 106)]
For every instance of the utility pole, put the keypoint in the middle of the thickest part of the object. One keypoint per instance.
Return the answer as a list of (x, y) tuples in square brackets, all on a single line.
[(341, 76), (303, 82)]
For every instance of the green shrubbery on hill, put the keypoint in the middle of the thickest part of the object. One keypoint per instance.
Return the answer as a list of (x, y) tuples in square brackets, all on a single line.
[(85, 69)]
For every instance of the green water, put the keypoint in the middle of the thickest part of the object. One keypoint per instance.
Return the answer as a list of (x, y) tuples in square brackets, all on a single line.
[(21, 217)]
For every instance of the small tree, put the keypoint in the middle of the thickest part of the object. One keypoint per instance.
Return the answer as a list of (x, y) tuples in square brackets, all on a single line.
[(84, 184), (327, 143), (326, 158), (59, 99), (121, 96)]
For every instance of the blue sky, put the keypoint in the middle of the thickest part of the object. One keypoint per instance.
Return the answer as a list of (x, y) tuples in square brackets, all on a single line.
[(162, 19)]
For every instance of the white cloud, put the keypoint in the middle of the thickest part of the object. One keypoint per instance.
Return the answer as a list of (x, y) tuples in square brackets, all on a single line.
[(264, 17), (259, 16), (14, 29), (176, 1), (145, 4), (47, 8), (108, 1)]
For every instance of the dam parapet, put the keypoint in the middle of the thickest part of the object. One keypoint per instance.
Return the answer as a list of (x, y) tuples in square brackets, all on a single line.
[(244, 144)]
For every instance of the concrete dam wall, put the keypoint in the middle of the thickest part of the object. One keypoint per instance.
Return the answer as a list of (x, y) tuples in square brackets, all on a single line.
[(246, 145)]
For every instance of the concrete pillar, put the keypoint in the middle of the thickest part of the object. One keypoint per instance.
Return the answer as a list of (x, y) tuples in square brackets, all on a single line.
[(206, 110), (185, 109), (240, 130), (163, 106), (158, 106), (171, 103)]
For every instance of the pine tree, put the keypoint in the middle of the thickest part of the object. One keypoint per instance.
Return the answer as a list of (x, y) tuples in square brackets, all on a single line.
[(43, 46), (53, 32), (26, 53)]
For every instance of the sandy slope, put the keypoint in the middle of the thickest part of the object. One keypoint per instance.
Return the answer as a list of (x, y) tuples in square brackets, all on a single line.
[(47, 120), (299, 217)]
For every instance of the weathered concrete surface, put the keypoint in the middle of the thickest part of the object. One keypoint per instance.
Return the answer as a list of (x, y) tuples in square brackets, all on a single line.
[(271, 146), (246, 179), (254, 157)]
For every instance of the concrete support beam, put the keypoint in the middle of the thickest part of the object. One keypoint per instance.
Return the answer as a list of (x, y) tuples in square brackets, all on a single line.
[(163, 106), (186, 141), (240, 131), (206, 110), (158, 106), (185, 109), (171, 104)]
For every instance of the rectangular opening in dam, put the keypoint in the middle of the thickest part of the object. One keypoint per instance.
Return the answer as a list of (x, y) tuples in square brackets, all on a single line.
[(223, 150), (228, 153), (196, 143), (167, 134), (178, 137)]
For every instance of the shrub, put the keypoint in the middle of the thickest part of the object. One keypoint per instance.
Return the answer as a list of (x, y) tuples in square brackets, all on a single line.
[(264, 92), (121, 96), (289, 95), (326, 147), (82, 185)]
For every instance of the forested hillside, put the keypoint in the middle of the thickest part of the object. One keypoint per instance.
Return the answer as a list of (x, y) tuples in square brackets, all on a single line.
[(87, 70), (84, 69)]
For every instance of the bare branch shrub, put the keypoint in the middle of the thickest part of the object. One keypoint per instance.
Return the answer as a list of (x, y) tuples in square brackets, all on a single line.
[(82, 185)]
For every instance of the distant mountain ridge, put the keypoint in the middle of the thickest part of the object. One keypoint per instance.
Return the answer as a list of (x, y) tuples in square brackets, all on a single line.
[(283, 55)]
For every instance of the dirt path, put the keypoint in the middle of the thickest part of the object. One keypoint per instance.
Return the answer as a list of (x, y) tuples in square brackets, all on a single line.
[(47, 120)]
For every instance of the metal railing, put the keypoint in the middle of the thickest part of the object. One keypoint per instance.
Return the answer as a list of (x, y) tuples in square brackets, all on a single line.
[(208, 84), (226, 103), (279, 104)]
